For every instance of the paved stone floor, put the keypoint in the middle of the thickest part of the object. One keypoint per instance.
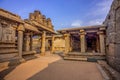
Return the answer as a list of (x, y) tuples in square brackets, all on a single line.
[(52, 67)]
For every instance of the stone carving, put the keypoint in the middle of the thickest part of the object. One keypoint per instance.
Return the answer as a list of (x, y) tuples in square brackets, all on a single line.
[(38, 17), (7, 33)]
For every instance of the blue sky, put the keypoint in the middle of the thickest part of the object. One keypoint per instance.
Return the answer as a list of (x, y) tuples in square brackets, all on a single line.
[(64, 13)]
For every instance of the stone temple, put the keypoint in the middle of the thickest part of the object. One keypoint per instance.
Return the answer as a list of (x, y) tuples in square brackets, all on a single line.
[(20, 38)]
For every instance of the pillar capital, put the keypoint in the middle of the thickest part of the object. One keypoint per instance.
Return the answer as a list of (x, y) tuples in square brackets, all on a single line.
[(27, 34), (67, 34), (21, 27), (102, 28), (100, 32), (43, 32), (82, 32)]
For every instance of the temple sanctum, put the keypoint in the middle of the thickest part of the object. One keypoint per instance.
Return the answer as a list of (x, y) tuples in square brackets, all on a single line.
[(36, 35)]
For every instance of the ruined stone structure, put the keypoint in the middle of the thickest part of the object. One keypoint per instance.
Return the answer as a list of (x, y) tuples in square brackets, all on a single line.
[(112, 22), (16, 35), (36, 35), (90, 39)]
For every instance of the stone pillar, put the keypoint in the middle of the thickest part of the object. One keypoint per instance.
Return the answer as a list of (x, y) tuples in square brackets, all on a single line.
[(20, 40), (98, 44), (82, 41), (67, 43), (53, 38), (102, 42), (27, 42), (43, 43), (31, 42)]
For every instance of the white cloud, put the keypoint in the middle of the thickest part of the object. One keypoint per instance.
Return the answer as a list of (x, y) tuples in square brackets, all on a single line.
[(76, 23), (101, 8), (95, 22)]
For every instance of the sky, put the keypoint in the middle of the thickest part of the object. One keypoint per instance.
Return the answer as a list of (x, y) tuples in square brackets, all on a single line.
[(63, 13)]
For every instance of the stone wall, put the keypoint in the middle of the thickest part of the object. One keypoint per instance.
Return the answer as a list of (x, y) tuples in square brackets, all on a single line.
[(113, 35), (59, 44)]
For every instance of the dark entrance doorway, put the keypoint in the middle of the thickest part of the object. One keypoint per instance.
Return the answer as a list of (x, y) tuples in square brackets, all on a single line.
[(91, 42), (75, 40)]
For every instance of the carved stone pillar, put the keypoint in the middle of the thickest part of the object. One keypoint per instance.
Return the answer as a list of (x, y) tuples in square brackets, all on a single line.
[(98, 44), (27, 42), (43, 43), (102, 41), (67, 43), (53, 38), (31, 42), (82, 41), (20, 40)]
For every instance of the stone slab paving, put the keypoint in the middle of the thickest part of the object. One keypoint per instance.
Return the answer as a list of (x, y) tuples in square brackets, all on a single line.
[(52, 67)]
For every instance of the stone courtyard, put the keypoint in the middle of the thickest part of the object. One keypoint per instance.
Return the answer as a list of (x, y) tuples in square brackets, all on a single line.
[(52, 67), (31, 49)]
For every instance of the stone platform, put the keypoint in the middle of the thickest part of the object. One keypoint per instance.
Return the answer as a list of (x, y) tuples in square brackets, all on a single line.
[(92, 57)]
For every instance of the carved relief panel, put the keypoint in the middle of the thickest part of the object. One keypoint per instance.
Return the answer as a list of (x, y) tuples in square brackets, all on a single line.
[(7, 33)]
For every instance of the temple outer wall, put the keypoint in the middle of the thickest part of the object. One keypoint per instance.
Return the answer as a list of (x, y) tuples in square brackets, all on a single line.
[(113, 35)]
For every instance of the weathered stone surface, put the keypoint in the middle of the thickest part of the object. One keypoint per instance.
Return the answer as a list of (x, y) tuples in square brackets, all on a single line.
[(113, 35), (111, 51)]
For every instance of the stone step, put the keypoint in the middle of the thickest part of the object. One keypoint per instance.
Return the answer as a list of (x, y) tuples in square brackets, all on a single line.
[(10, 62), (76, 59), (8, 46), (29, 52), (29, 57), (80, 58), (7, 42), (85, 54), (6, 51), (97, 57), (6, 57)]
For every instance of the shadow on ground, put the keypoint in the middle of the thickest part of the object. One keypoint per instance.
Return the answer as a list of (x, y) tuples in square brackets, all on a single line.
[(6, 71), (13, 64), (68, 70)]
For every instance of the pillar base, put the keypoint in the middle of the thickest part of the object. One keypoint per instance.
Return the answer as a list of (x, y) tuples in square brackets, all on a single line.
[(42, 54), (22, 60)]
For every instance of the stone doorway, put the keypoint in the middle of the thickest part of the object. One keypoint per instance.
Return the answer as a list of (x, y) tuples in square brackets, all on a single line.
[(92, 42), (75, 41)]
